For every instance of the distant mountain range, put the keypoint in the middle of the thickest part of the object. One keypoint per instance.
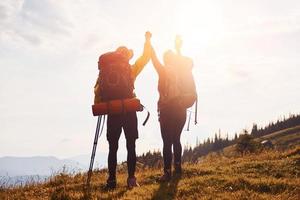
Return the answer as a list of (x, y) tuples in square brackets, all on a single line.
[(37, 165), (18, 170), (47, 165)]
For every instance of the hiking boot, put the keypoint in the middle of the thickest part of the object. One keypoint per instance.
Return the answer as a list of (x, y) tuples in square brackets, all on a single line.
[(111, 184), (166, 177), (177, 169), (131, 182)]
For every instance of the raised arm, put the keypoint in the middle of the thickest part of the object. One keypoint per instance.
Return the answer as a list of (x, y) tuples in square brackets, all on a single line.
[(157, 65), (178, 44), (144, 59)]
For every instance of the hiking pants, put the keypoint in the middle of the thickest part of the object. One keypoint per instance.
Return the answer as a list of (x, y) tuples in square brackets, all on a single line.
[(115, 123), (171, 124)]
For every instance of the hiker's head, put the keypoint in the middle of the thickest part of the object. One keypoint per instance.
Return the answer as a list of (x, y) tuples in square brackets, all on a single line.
[(169, 57), (128, 53)]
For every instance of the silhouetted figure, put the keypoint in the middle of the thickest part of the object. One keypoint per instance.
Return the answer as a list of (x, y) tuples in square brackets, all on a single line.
[(177, 92), (128, 120)]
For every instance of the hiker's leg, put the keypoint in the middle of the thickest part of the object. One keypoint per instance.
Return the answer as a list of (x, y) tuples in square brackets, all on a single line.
[(131, 134), (113, 134), (131, 156), (177, 148), (167, 140), (112, 158)]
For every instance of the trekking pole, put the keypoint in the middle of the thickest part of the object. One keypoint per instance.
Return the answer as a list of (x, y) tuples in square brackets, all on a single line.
[(93, 153)]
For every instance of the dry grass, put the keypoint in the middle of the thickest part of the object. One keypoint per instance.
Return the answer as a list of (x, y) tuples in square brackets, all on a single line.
[(267, 175)]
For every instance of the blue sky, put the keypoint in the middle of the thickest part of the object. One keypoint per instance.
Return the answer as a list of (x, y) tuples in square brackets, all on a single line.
[(246, 56)]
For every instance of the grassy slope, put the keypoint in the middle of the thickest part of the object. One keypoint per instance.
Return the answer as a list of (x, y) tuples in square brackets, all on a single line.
[(284, 139), (267, 175)]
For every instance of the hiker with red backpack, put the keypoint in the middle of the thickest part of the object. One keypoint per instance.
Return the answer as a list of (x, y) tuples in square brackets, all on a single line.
[(177, 92), (116, 84)]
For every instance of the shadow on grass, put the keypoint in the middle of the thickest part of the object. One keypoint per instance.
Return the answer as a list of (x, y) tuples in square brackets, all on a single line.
[(103, 193), (167, 190)]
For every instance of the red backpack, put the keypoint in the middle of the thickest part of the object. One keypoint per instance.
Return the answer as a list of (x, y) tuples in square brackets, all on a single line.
[(115, 77)]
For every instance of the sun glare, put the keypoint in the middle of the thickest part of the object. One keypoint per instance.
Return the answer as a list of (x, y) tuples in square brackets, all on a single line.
[(198, 22)]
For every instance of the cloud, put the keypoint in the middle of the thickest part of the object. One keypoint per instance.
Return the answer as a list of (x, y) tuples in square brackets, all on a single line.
[(33, 21), (65, 140), (48, 61), (274, 24), (45, 15), (8, 9), (3, 14)]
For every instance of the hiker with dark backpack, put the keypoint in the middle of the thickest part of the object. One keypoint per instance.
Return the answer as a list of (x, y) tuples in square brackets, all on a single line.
[(177, 92), (116, 83)]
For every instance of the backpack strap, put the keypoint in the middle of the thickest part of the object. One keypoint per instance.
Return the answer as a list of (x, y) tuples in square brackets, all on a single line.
[(123, 106), (196, 111), (148, 115), (196, 115), (108, 107)]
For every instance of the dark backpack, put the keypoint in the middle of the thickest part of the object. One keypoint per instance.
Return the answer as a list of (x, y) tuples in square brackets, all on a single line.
[(115, 77)]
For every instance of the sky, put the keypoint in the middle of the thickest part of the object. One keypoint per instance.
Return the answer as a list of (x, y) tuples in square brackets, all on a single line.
[(245, 53)]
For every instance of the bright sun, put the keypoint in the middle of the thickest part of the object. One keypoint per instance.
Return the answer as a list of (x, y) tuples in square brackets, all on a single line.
[(198, 22)]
